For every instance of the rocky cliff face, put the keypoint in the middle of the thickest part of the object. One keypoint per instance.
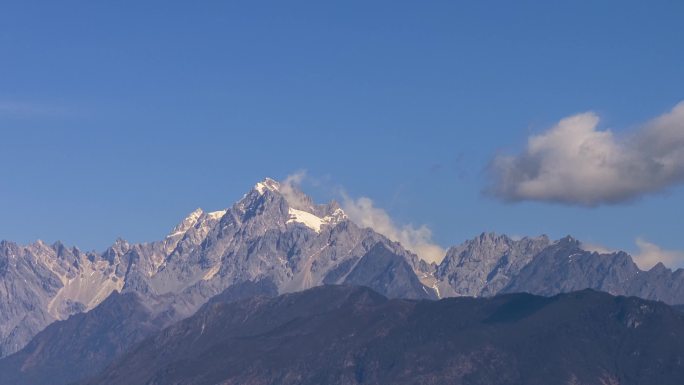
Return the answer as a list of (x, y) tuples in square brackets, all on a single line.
[(491, 264), (486, 264), (659, 283), (41, 283), (565, 266)]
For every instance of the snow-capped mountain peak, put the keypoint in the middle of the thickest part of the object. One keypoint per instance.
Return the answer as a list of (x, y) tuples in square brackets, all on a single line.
[(198, 218), (186, 223), (275, 232), (267, 184)]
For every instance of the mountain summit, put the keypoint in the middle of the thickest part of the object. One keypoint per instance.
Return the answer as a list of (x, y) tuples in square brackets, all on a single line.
[(275, 232)]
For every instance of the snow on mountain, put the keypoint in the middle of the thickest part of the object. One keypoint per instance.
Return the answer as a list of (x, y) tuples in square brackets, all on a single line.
[(267, 184), (307, 219), (313, 221)]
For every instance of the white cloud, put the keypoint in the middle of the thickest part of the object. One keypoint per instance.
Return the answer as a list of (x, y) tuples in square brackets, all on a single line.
[(650, 254), (576, 163), (418, 240), (289, 187), (362, 212)]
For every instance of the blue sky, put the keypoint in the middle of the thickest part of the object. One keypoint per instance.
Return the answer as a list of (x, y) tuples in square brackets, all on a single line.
[(117, 119)]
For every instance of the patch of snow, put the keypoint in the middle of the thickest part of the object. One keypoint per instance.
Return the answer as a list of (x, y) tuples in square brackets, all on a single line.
[(267, 184), (312, 221), (309, 220), (216, 214)]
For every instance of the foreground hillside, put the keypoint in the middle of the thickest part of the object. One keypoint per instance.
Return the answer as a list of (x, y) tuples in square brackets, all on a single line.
[(352, 335), (57, 354)]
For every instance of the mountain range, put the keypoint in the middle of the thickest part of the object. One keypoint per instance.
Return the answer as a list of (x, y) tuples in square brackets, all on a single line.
[(278, 237)]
